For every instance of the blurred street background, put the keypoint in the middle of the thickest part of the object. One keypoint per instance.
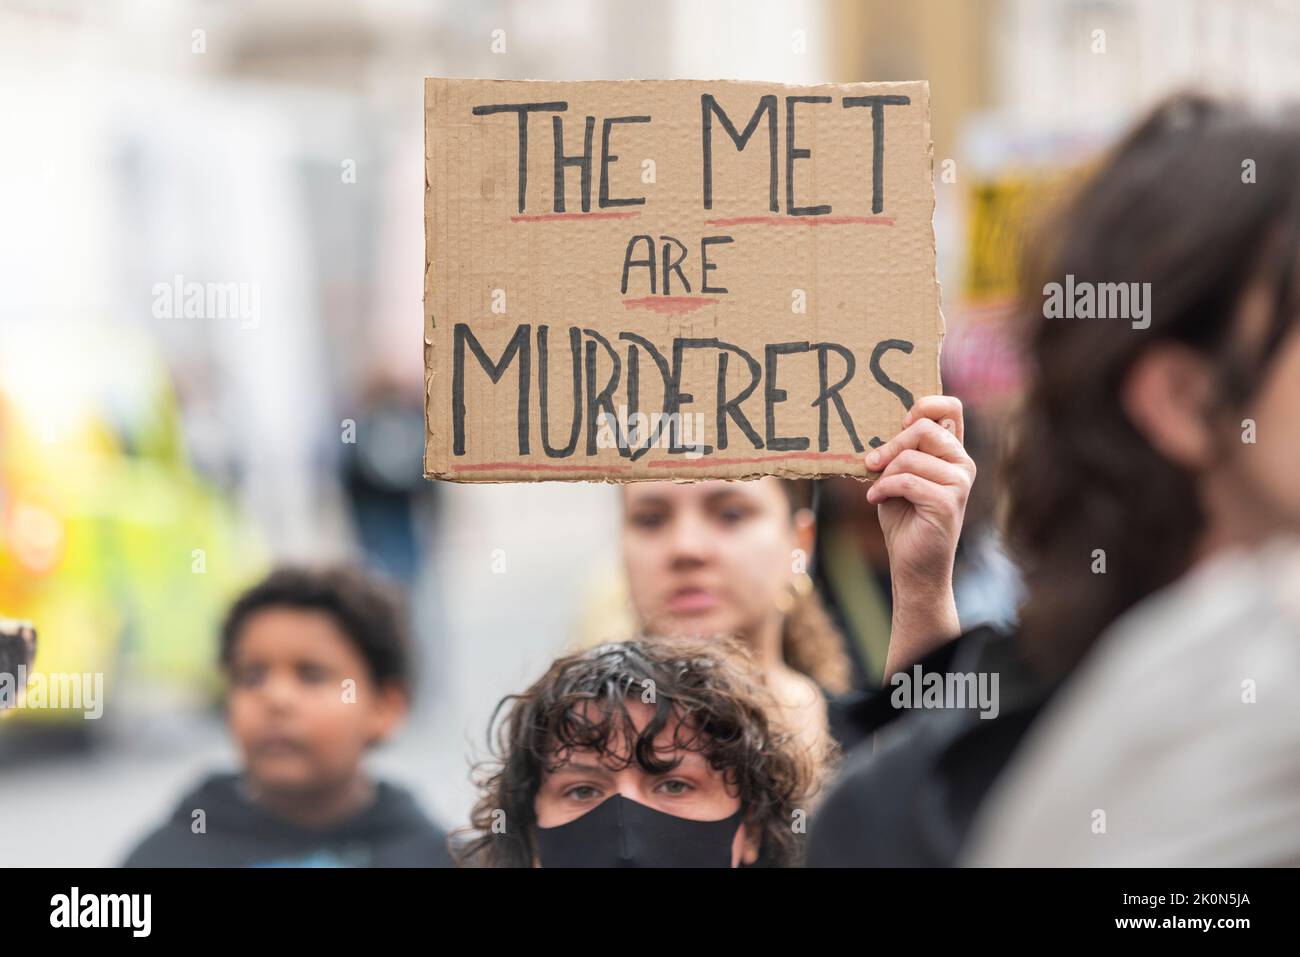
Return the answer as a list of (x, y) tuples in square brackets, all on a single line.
[(152, 465)]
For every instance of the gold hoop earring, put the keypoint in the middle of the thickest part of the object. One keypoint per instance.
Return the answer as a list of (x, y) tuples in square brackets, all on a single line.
[(799, 587)]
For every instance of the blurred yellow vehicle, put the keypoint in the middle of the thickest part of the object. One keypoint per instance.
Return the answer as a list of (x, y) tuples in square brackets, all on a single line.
[(120, 554)]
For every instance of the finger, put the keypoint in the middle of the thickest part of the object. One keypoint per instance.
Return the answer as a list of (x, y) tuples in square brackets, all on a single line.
[(944, 409), (925, 495), (924, 435), (936, 470)]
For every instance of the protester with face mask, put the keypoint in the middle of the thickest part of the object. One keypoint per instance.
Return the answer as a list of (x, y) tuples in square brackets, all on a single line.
[(1150, 443), (647, 753)]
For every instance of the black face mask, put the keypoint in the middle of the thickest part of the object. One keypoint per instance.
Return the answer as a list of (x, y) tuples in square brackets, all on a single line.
[(623, 833)]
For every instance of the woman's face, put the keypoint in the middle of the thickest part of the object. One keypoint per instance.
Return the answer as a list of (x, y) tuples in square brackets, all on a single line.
[(1247, 466), (710, 558), (1265, 474)]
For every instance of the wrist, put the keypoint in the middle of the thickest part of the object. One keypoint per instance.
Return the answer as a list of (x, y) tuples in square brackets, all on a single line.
[(921, 592), (924, 617)]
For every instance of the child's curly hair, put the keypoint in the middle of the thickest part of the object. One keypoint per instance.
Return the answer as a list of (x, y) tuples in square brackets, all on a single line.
[(713, 691)]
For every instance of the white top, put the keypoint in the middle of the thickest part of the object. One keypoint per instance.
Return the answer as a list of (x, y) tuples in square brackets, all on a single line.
[(1176, 742)]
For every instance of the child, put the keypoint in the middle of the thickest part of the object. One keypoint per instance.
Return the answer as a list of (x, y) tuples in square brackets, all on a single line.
[(649, 753), (316, 669)]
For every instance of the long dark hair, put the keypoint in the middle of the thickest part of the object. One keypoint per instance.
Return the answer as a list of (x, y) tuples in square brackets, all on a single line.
[(1174, 205), (710, 686)]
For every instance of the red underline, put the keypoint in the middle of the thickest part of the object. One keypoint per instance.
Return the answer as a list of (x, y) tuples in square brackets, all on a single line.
[(658, 463), (710, 460), (668, 303), (539, 467), (564, 217), (802, 221)]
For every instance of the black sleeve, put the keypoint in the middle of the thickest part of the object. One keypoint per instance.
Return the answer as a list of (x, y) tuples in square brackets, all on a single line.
[(433, 849), (855, 716), (911, 802), (424, 845), (879, 813), (159, 849)]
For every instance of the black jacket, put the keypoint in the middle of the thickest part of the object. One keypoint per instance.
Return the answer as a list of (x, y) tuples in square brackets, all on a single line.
[(391, 832), (911, 802)]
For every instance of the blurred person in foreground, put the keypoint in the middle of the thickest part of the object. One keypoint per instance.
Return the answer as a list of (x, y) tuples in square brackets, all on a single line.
[(17, 653), (316, 665), (1177, 743), (1149, 443), (647, 753), (730, 558)]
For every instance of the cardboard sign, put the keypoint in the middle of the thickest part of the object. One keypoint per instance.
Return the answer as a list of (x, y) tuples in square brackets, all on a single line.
[(674, 279)]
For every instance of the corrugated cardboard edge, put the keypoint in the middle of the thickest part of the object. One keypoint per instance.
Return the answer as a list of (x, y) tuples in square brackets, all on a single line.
[(427, 319), (524, 474), (938, 286)]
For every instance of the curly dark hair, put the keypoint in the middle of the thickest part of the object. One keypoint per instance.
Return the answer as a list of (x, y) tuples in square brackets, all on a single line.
[(368, 611), (1170, 207), (709, 686)]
